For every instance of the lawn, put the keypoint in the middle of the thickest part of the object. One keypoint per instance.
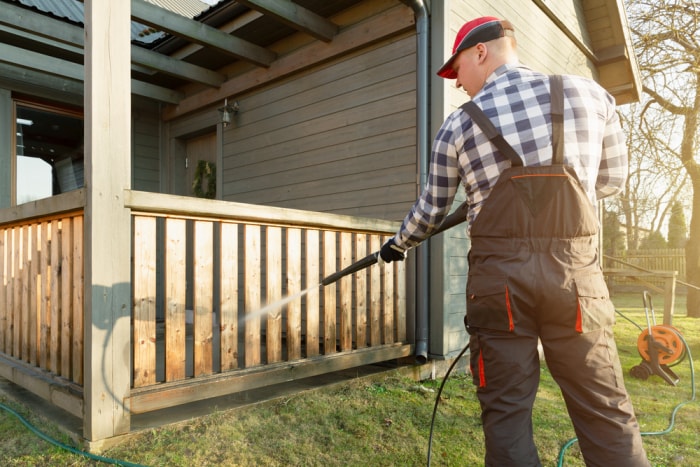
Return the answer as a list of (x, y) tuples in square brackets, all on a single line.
[(384, 420)]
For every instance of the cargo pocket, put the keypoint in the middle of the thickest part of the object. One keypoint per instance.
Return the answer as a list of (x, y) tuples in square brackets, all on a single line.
[(488, 303), (595, 310)]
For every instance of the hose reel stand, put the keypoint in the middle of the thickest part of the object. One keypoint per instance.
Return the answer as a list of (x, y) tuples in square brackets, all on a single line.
[(660, 346)]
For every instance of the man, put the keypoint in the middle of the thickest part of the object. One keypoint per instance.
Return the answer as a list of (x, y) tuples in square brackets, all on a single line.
[(533, 263)]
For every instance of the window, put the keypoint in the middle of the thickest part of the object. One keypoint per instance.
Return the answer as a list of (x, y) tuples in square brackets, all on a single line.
[(49, 151)]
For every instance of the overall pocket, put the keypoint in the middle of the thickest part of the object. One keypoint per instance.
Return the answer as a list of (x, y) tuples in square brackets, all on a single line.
[(595, 310), (488, 303)]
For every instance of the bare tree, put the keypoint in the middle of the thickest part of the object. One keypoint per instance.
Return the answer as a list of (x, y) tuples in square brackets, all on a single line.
[(656, 178), (666, 38)]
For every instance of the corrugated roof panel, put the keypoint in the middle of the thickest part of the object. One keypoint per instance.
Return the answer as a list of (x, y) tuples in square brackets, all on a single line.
[(69, 9), (186, 8), (73, 10)]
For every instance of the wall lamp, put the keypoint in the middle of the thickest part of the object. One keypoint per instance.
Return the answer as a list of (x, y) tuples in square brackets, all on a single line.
[(227, 112)]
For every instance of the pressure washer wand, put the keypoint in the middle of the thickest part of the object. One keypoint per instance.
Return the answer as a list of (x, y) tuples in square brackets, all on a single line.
[(456, 218)]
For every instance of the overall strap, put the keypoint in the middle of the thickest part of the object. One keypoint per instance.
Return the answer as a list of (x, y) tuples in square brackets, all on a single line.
[(557, 104), (480, 118), (557, 111)]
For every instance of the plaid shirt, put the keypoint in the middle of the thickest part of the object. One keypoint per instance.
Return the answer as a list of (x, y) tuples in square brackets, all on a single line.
[(517, 101)]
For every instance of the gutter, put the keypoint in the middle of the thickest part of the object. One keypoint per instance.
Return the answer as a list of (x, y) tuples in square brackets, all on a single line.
[(423, 145)]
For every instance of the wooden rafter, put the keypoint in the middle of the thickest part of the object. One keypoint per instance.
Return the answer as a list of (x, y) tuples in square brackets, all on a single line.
[(194, 31), (295, 16)]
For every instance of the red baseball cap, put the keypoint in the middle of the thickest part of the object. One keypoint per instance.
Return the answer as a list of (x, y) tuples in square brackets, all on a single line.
[(478, 30)]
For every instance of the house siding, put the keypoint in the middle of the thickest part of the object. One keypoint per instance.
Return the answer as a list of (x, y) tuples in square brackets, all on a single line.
[(338, 138), (146, 152)]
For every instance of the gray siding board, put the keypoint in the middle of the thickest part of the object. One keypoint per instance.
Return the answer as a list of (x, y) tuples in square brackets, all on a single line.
[(346, 142), (322, 116), (350, 174), (146, 146)]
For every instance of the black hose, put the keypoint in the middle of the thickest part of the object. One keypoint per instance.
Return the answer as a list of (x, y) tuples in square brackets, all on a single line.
[(437, 399)]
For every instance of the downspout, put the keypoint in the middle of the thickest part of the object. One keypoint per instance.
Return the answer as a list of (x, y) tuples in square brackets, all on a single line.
[(423, 146)]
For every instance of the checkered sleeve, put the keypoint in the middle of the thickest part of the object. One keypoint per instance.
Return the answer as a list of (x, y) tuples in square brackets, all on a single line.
[(436, 198), (612, 172)]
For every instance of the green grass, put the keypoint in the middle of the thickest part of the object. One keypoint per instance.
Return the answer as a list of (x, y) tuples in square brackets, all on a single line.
[(385, 421)]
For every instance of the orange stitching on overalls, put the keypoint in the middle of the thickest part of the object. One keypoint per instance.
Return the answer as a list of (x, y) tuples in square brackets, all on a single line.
[(509, 310), (539, 175)]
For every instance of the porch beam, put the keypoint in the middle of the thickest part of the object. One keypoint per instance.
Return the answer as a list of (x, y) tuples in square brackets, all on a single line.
[(42, 29), (107, 221), (37, 62), (164, 20), (390, 22), (295, 16)]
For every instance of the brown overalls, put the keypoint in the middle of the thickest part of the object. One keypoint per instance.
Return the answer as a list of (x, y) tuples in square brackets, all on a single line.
[(534, 273)]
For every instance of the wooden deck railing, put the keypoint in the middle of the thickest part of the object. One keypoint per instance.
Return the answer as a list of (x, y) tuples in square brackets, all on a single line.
[(229, 289), (206, 278), (41, 286)]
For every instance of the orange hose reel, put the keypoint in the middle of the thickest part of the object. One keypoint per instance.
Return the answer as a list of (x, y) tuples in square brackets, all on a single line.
[(660, 346), (669, 346)]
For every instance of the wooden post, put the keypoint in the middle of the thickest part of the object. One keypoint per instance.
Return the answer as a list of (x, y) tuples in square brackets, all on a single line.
[(107, 221), (669, 297)]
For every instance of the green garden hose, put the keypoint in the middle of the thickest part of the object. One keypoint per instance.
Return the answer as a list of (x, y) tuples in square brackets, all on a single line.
[(64, 446), (675, 410)]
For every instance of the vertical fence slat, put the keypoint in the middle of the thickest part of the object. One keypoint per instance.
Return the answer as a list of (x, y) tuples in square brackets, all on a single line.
[(66, 296), (203, 297), (229, 296), (144, 313), (375, 294), (16, 290), (24, 291), (329, 293), (400, 301), (78, 302), (175, 283), (55, 312), (251, 285), (294, 289), (45, 308), (4, 309), (313, 298), (388, 303), (361, 294), (34, 321), (345, 325), (10, 295), (273, 274)]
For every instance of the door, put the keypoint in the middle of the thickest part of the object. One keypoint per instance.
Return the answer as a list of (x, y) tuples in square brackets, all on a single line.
[(200, 166)]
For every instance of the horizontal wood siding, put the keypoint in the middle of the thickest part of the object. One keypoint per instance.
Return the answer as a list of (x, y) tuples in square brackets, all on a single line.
[(339, 138), (146, 134)]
